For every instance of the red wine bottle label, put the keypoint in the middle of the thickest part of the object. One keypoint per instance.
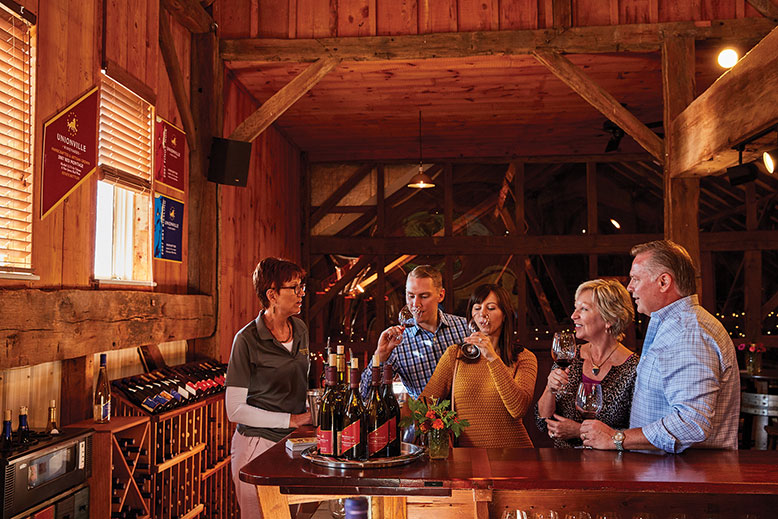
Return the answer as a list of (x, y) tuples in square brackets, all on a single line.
[(350, 436), (378, 439), (324, 442), (392, 429)]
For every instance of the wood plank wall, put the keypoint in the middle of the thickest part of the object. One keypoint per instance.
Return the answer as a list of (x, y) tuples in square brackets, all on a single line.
[(323, 18), (259, 220), (69, 59)]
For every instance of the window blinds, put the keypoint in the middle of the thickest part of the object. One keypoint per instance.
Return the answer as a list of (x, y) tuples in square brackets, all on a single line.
[(15, 143)]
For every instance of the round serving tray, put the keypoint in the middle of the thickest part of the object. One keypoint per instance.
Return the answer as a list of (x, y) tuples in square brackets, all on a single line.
[(409, 453)]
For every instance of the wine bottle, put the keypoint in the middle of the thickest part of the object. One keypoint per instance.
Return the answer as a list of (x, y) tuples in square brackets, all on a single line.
[(341, 363), (329, 416), (102, 399), (6, 441), (325, 363), (393, 412), (353, 439), (51, 426), (375, 415), (23, 431)]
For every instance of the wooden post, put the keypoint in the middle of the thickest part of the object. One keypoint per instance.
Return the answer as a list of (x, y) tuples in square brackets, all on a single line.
[(380, 261), (752, 266), (448, 229), (682, 195), (77, 385), (206, 96), (591, 212)]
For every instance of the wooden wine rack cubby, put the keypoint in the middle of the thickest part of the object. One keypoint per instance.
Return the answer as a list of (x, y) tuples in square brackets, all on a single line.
[(189, 460)]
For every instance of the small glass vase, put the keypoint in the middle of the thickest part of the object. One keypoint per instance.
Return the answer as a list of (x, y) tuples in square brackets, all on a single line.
[(753, 360), (438, 443)]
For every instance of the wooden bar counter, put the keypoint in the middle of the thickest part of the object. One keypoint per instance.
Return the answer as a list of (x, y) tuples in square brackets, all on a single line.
[(484, 482)]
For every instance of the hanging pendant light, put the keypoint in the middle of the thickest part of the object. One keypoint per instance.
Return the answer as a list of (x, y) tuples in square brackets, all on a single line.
[(420, 180)]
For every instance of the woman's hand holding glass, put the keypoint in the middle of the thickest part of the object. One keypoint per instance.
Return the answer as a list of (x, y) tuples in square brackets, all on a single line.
[(563, 351), (563, 428)]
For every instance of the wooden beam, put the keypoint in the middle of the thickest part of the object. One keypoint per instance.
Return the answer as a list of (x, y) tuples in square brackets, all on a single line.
[(576, 79), (766, 8), (190, 14), (681, 196), (177, 84), (339, 193), (738, 240), (334, 290), (206, 91), (592, 222), (596, 39), (459, 245), (534, 280), (67, 324), (282, 100), (740, 104)]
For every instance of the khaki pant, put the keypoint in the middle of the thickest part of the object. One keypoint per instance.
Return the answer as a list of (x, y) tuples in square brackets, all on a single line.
[(243, 450)]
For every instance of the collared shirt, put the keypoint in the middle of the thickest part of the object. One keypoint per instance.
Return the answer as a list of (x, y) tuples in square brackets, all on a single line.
[(276, 378), (687, 391), (415, 358)]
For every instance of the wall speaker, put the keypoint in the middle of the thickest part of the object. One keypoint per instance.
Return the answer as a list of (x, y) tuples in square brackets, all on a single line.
[(742, 173), (229, 162)]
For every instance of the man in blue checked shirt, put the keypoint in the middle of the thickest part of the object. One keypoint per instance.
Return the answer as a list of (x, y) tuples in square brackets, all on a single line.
[(414, 350), (687, 390)]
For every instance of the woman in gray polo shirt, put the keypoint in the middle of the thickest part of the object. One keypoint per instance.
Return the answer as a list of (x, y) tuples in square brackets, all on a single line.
[(267, 376)]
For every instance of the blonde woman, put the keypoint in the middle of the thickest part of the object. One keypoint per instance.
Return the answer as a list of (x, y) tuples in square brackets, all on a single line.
[(603, 311)]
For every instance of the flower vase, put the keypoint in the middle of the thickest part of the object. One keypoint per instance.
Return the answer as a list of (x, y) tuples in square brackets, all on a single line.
[(438, 443), (753, 361)]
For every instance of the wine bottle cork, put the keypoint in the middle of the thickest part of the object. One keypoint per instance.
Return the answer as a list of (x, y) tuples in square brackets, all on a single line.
[(7, 415), (354, 363), (376, 361)]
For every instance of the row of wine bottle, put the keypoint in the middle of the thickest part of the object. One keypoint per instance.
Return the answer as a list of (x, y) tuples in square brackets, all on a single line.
[(352, 429), (172, 387), (10, 440)]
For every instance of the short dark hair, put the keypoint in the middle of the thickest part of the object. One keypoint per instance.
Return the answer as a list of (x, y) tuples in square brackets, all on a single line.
[(507, 346), (669, 256), (272, 273)]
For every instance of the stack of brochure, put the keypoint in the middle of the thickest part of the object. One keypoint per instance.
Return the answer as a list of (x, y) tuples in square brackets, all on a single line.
[(300, 444)]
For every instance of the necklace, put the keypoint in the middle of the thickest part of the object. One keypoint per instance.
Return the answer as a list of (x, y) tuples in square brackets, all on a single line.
[(288, 333), (597, 365)]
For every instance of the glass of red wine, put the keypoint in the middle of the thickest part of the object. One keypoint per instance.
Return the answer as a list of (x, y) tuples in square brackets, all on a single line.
[(588, 400), (563, 351)]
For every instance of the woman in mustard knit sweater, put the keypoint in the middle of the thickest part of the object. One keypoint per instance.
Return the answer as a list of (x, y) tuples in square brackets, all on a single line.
[(495, 391)]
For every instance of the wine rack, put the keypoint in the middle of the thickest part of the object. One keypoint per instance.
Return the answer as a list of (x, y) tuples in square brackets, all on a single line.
[(188, 471), (120, 466)]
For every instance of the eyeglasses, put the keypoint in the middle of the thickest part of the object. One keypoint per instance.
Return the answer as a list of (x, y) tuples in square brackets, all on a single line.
[(298, 289)]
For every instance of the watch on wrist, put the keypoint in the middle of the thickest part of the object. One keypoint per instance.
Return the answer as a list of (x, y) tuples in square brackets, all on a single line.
[(618, 440)]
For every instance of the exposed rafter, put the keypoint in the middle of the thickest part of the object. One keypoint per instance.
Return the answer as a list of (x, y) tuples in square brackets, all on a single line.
[(740, 104), (190, 14), (592, 93), (177, 84), (614, 38), (767, 8), (274, 107)]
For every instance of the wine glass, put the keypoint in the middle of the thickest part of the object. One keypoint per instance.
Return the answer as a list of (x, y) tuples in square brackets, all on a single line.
[(578, 515), (471, 351), (404, 316), (515, 514), (563, 351), (588, 400), (545, 514)]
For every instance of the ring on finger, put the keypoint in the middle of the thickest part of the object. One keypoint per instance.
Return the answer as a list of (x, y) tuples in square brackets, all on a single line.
[(583, 436)]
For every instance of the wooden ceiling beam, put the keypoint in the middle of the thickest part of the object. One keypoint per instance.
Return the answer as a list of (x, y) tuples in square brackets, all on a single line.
[(592, 93), (597, 39), (739, 105), (177, 83), (342, 190), (767, 8), (329, 295), (190, 14), (282, 100)]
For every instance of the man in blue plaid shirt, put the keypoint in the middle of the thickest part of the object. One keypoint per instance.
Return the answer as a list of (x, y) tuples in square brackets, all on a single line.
[(687, 390), (413, 350)]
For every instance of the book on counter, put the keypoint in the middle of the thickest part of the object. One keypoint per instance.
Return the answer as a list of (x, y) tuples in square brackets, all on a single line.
[(300, 444)]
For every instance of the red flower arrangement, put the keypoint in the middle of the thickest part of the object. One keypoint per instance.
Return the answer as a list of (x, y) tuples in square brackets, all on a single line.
[(752, 347), (434, 414)]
